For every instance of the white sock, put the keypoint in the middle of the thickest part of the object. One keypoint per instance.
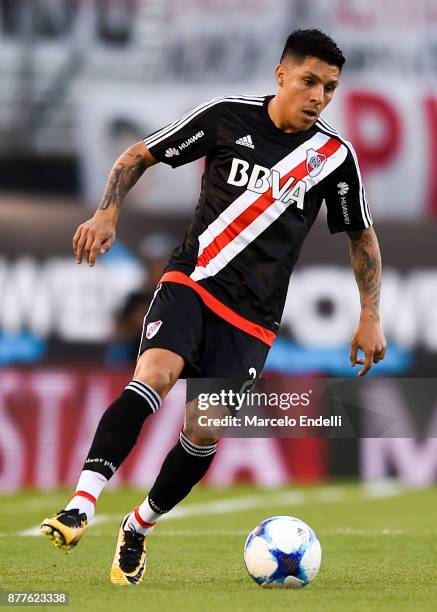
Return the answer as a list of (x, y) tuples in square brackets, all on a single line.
[(143, 518), (83, 504), (89, 487)]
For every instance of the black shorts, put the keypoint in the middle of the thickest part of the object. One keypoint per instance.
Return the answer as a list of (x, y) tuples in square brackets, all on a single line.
[(212, 348)]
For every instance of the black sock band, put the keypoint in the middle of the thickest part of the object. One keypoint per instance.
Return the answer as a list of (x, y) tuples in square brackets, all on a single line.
[(196, 449), (148, 394), (120, 427), (183, 467)]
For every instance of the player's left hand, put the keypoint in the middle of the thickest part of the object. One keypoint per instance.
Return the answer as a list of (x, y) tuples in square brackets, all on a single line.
[(368, 337)]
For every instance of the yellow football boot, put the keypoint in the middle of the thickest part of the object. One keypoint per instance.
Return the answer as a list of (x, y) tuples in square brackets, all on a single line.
[(129, 562), (65, 529)]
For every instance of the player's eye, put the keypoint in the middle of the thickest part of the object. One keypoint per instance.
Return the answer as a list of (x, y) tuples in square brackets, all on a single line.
[(308, 82)]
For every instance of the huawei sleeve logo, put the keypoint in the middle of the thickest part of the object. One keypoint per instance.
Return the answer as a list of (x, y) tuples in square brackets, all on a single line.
[(171, 152), (343, 188)]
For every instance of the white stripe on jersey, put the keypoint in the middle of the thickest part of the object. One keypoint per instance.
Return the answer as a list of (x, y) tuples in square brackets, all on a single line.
[(247, 198), (328, 126), (266, 218), (172, 128), (364, 206), (158, 288)]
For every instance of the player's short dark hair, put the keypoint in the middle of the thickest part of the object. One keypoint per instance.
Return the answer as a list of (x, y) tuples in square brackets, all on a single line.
[(313, 43)]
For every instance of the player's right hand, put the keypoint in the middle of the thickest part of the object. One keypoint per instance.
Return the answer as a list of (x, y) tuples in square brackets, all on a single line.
[(94, 237)]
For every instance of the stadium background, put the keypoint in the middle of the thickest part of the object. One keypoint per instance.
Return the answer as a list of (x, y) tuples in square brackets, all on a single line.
[(80, 80)]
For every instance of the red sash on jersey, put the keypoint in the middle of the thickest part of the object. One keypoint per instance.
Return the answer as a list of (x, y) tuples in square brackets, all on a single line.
[(223, 311)]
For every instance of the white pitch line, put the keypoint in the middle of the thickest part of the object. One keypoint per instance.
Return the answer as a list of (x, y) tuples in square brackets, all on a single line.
[(348, 531), (33, 531), (250, 502), (189, 533), (330, 494), (382, 488), (236, 504), (43, 500), (363, 532), (97, 520)]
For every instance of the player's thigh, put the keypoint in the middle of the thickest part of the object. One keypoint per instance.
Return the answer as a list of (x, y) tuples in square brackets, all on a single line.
[(231, 362), (173, 323), (230, 352), (159, 368)]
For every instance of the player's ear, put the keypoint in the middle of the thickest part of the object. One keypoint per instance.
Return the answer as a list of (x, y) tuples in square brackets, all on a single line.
[(279, 75)]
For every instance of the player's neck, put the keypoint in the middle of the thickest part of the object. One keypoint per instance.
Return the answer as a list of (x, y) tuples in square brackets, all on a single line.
[(277, 117)]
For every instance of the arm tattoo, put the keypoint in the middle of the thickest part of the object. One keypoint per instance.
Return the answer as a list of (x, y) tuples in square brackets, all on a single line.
[(366, 264), (124, 175)]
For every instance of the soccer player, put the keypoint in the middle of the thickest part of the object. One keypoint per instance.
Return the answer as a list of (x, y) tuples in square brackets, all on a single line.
[(270, 162)]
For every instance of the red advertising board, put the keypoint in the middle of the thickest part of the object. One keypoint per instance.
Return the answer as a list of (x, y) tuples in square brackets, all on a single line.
[(48, 419)]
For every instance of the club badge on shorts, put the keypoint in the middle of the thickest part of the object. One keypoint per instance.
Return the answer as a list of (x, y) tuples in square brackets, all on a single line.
[(315, 162), (152, 329)]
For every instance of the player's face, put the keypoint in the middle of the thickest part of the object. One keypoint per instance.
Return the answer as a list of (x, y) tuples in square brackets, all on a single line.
[(304, 90)]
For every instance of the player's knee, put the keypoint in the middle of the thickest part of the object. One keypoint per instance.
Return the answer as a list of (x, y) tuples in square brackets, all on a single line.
[(202, 438), (159, 378), (199, 427), (159, 369)]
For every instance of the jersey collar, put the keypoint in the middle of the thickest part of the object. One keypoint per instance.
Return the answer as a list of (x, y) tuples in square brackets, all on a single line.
[(284, 136)]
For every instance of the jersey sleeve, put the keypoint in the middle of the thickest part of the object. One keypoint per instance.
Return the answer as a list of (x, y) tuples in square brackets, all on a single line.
[(189, 138), (345, 197)]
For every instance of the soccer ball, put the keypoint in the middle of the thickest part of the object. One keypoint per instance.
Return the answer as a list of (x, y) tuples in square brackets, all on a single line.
[(283, 552)]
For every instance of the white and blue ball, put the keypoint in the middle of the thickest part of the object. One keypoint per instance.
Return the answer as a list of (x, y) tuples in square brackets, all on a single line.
[(282, 551)]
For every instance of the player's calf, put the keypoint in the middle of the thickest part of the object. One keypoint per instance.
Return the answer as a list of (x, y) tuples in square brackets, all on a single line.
[(115, 437), (184, 466)]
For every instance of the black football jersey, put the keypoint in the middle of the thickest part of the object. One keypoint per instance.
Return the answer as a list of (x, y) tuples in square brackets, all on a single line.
[(261, 191)]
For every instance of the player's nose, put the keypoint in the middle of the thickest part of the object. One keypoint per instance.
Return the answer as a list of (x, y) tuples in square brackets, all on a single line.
[(317, 94)]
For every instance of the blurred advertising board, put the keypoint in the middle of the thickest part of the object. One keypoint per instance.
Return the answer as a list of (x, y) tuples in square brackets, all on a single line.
[(396, 153), (48, 419), (89, 78), (54, 311), (384, 427)]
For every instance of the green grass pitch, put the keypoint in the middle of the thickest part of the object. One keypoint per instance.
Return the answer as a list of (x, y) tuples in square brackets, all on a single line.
[(379, 551)]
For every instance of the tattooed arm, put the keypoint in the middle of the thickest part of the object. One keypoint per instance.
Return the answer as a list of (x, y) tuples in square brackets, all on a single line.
[(98, 233), (366, 264)]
